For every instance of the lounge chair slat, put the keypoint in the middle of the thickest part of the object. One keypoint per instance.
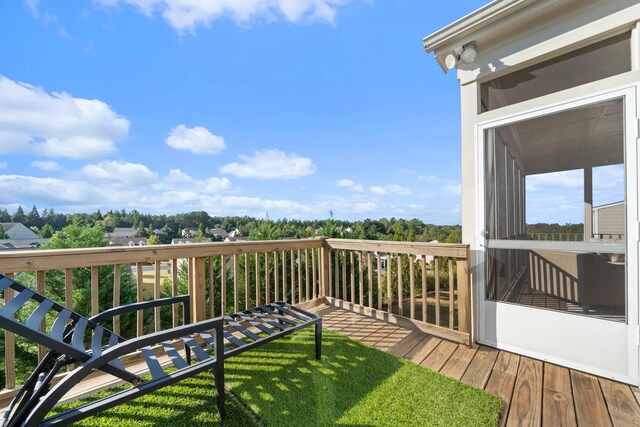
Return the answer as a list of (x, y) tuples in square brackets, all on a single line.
[(96, 341), (277, 315), (253, 322), (78, 334), (265, 319), (195, 347), (59, 324), (5, 283), (173, 354), (16, 303), (241, 328), (38, 314), (208, 338), (289, 312), (233, 339), (152, 362)]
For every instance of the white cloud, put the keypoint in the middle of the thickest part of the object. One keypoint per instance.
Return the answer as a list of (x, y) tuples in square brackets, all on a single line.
[(57, 124), (350, 185), (270, 164), (197, 140), (4, 165), (553, 180), (115, 172), (390, 189), (376, 189), (47, 165), (187, 15)]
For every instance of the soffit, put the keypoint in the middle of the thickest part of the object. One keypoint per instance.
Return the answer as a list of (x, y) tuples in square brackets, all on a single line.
[(586, 137)]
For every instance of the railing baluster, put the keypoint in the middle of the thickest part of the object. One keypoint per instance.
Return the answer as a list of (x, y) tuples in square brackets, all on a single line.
[(314, 274), (156, 295), (306, 266), (451, 292), (436, 264), (40, 289), (379, 267), (94, 290), (293, 277), (299, 260), (247, 278), (352, 276), (276, 273), (284, 276), (400, 307), (424, 288), (223, 285), (258, 285), (336, 264), (236, 296), (140, 297), (212, 287), (267, 285), (370, 278), (116, 297), (389, 294), (344, 275), (68, 298), (412, 288), (174, 291), (9, 346), (329, 272), (464, 301), (360, 278)]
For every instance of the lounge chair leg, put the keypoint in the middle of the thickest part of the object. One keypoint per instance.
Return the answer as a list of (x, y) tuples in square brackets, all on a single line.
[(318, 340), (219, 373)]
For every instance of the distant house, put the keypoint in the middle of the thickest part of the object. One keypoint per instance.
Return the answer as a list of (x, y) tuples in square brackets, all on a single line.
[(219, 233), (121, 232), (231, 238), (183, 240), (608, 221), (20, 237), (127, 241), (235, 233), (188, 232), (15, 230)]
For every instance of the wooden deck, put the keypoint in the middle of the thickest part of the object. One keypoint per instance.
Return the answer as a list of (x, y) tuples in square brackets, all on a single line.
[(535, 393)]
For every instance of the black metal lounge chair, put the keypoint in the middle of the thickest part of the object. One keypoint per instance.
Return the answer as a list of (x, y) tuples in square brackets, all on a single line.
[(73, 338)]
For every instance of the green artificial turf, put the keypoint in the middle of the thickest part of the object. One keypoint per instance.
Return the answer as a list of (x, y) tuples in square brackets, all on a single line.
[(283, 385)]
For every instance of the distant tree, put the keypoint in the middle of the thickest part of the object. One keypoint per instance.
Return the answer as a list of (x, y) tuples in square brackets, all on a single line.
[(33, 219), (46, 231), (266, 230), (154, 240), (4, 216), (19, 216), (140, 231), (3, 234)]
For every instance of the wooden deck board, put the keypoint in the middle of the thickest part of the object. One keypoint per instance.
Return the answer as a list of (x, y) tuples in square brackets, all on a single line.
[(591, 409), (623, 407), (459, 362), (526, 402), (502, 380), (479, 369), (557, 397), (438, 357)]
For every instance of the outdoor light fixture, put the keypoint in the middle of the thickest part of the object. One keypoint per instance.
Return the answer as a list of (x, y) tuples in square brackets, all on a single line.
[(467, 54)]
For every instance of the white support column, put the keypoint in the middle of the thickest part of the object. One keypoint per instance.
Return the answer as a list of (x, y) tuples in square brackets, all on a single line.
[(588, 204)]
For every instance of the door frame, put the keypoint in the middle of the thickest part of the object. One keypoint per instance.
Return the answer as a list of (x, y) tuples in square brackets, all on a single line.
[(630, 373)]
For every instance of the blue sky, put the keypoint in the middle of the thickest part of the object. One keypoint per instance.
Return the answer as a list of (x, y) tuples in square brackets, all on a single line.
[(291, 107)]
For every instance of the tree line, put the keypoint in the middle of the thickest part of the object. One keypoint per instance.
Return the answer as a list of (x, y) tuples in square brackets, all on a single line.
[(162, 228)]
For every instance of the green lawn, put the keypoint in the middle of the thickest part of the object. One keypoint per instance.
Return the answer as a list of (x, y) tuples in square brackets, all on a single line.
[(283, 385)]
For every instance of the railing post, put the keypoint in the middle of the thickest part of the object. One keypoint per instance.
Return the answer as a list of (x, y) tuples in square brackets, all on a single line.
[(197, 289), (464, 297), (324, 268)]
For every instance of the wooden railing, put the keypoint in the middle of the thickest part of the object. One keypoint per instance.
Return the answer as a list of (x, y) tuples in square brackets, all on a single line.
[(427, 284)]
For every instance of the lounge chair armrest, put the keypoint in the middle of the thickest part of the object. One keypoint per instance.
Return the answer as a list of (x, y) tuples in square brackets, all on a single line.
[(128, 308)]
